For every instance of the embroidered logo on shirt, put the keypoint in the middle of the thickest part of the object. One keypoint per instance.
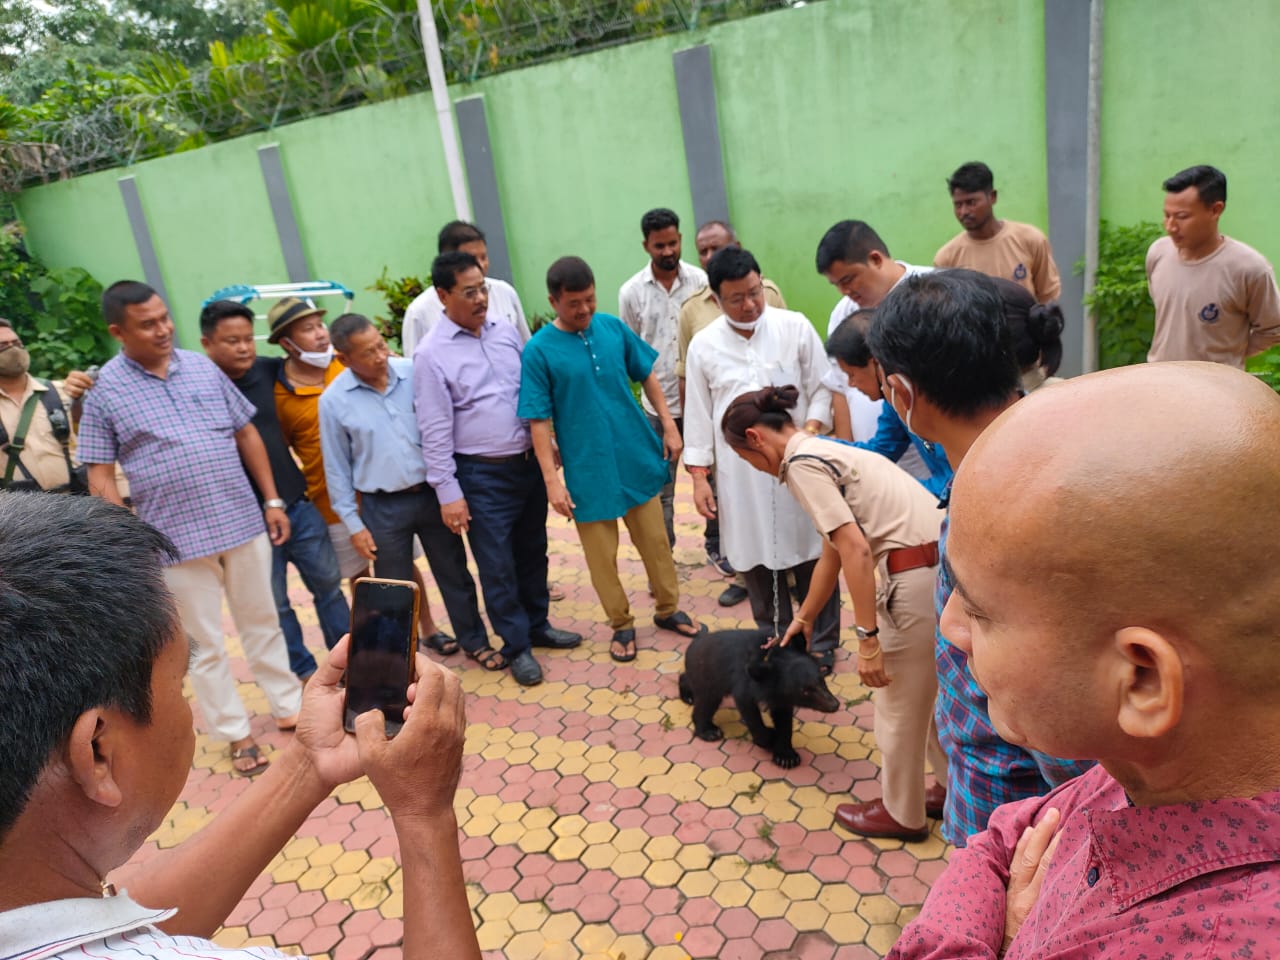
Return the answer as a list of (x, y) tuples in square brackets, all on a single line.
[(1020, 272), (1209, 313)]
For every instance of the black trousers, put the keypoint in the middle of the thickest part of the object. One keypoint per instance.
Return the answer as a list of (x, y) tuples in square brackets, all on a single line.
[(394, 519), (826, 625)]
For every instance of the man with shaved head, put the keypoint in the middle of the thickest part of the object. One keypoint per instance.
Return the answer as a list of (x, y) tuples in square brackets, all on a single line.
[(1146, 637)]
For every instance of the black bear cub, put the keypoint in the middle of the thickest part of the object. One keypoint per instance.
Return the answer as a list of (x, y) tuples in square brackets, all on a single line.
[(731, 662)]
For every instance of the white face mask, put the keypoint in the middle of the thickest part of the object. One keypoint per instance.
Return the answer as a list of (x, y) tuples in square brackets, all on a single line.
[(744, 327), (893, 398), (316, 358)]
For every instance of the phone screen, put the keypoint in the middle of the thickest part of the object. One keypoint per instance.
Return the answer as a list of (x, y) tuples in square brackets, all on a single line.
[(379, 666)]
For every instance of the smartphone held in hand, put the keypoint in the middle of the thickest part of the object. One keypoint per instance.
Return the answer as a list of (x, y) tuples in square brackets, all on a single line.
[(384, 628)]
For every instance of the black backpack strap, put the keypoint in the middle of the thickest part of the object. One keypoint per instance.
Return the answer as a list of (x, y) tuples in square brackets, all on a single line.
[(13, 448), (59, 422)]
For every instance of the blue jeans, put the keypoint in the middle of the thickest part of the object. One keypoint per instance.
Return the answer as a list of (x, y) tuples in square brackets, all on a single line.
[(311, 551), (508, 536)]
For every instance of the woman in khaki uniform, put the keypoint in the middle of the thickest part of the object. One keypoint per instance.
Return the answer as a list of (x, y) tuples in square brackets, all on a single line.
[(874, 518)]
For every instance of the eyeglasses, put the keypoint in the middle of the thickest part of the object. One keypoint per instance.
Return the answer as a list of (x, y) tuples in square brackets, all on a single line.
[(738, 300), (6, 344), (472, 294)]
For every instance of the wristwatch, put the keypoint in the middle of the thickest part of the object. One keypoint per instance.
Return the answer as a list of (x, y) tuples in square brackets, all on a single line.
[(866, 634), (276, 504)]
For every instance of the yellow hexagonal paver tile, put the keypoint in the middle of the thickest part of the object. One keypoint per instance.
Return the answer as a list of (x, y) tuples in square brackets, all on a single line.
[(536, 841), (632, 864), (538, 818), (498, 906), (570, 826), (527, 916), (568, 848), (697, 883), (806, 915), (768, 903), (694, 856), (882, 936), (838, 898), (602, 831), (599, 856), (561, 926), (732, 893), (846, 928), (370, 894), (662, 848), (664, 873), (480, 826), (878, 909), (763, 876), (315, 878), (494, 934), (730, 867), (631, 840), (800, 886), (595, 938)]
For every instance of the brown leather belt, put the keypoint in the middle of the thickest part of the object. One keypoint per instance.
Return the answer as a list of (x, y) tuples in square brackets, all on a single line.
[(912, 558)]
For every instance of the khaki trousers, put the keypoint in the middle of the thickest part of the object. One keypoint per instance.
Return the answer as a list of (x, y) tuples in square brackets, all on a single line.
[(649, 536), (244, 574), (904, 726)]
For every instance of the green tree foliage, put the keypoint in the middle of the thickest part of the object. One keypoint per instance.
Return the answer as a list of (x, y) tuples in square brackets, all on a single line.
[(1120, 299), (56, 312)]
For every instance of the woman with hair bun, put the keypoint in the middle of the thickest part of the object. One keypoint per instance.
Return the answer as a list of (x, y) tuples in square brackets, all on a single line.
[(874, 518), (1036, 330)]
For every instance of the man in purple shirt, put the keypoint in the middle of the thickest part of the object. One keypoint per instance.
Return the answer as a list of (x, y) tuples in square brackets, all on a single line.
[(182, 433), (479, 459), (1123, 606)]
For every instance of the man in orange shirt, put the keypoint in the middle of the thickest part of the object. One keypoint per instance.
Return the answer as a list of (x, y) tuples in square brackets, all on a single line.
[(298, 327)]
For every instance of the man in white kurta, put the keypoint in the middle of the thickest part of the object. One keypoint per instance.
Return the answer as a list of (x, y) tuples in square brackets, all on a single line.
[(762, 528)]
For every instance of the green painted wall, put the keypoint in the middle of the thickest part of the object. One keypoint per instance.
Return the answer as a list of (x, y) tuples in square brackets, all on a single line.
[(845, 108), (1185, 83)]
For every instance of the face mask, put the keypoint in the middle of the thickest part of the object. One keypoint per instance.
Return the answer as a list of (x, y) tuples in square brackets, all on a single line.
[(893, 398), (316, 358), (744, 327), (14, 362)]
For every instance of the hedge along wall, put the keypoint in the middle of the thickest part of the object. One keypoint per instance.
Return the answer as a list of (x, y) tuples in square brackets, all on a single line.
[(845, 108)]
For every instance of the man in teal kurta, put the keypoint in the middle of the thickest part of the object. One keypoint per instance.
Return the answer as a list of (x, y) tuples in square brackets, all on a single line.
[(576, 377)]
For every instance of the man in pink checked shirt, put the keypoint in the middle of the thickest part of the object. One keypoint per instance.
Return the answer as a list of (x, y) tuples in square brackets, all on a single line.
[(1123, 606)]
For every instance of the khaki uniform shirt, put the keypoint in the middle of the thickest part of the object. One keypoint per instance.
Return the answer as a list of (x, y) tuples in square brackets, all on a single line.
[(1019, 252), (1222, 308), (42, 454), (701, 308), (890, 506)]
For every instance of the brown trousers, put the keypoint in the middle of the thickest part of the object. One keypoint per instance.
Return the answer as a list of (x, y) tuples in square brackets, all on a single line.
[(649, 536)]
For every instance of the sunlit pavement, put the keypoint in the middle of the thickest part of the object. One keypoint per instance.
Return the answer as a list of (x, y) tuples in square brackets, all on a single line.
[(592, 824)]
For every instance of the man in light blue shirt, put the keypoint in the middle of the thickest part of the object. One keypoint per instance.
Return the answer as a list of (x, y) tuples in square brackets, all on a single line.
[(369, 438)]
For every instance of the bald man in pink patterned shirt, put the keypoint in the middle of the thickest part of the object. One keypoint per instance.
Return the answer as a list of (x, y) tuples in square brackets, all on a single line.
[(1123, 607)]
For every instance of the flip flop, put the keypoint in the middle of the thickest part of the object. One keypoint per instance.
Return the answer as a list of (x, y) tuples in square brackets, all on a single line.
[(253, 753), (441, 643), (626, 639), (489, 658), (680, 623)]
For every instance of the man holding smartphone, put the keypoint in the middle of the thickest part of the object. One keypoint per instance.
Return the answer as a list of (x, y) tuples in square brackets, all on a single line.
[(98, 743), (480, 462)]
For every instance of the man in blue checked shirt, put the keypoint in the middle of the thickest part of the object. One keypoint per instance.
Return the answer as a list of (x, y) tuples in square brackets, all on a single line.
[(183, 436), (928, 327)]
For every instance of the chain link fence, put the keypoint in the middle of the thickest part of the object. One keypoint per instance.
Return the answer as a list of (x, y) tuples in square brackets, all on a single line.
[(165, 108)]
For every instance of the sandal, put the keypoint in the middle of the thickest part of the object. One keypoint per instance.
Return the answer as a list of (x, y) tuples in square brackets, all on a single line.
[(626, 639), (489, 658), (441, 643), (253, 753), (680, 623)]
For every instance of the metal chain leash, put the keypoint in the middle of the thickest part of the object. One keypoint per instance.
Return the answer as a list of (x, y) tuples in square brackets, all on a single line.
[(773, 529)]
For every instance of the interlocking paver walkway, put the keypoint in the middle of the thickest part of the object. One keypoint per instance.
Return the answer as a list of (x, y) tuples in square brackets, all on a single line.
[(592, 824)]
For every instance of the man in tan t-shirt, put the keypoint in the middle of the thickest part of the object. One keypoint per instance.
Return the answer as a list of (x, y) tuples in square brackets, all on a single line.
[(998, 248), (1215, 297)]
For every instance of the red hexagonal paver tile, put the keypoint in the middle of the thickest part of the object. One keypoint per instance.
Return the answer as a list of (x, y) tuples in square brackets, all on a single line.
[(704, 941), (737, 923), (774, 934)]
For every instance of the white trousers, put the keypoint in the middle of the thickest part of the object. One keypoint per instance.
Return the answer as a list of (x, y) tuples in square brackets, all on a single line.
[(244, 573)]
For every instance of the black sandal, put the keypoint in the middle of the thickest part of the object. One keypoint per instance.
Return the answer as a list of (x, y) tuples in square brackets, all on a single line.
[(442, 643), (489, 658), (677, 622), (253, 753), (626, 639)]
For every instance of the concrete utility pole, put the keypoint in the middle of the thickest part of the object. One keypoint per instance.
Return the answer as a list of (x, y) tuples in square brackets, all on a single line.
[(1093, 184), (444, 110)]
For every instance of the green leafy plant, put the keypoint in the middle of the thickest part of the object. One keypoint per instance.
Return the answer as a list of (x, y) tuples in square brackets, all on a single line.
[(1120, 298), (55, 311), (398, 294), (1267, 367)]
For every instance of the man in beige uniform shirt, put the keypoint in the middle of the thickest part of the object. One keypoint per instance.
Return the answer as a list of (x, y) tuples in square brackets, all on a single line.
[(697, 313), (43, 461), (998, 248), (1215, 297)]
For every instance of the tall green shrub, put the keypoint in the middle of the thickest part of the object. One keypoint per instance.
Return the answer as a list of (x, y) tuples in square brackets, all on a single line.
[(1120, 299)]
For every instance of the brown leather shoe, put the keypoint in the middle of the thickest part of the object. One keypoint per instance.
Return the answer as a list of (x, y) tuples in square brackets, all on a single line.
[(873, 820), (935, 798)]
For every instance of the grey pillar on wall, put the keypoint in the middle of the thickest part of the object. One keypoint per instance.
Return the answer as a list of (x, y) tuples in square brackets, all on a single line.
[(700, 124), (1066, 110), (142, 238), (486, 205), (295, 258)]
